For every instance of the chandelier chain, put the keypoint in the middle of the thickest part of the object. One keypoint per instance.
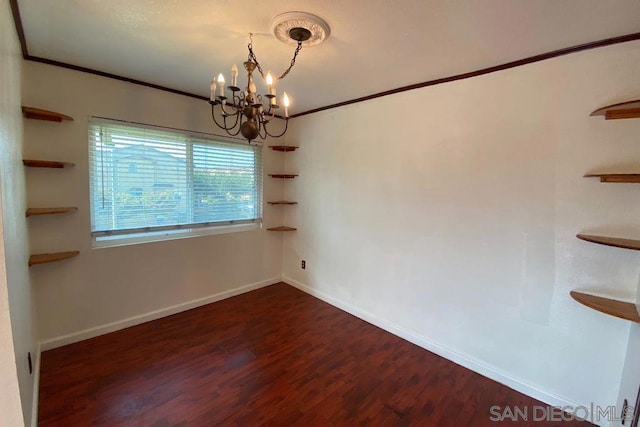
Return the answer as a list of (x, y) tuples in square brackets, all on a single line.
[(293, 61), (252, 58)]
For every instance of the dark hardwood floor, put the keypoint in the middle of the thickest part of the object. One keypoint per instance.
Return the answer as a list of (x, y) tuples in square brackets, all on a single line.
[(274, 356)]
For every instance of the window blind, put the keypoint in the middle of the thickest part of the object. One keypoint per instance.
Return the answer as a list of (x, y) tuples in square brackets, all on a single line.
[(146, 179)]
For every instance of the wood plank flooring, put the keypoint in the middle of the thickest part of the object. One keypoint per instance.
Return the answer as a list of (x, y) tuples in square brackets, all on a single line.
[(274, 356)]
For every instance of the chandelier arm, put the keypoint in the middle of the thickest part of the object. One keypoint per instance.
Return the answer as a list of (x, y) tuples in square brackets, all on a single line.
[(237, 114), (286, 125), (234, 133), (228, 129), (262, 126), (237, 102), (213, 116), (224, 123), (227, 113), (272, 112)]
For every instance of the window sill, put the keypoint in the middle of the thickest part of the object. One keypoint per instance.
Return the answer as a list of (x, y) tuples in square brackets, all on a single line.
[(159, 236)]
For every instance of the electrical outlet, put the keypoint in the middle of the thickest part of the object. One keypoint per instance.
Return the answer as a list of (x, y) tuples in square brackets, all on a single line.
[(30, 363), (303, 264)]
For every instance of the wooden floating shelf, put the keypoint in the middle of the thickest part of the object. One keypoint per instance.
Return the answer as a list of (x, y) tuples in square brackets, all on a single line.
[(282, 175), (611, 241), (616, 177), (282, 228), (283, 202), (39, 114), (53, 257), (47, 164), (49, 211), (613, 307), (623, 110), (284, 148)]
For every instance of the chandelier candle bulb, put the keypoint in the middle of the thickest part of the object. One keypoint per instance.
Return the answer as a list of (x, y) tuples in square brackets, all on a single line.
[(285, 101), (213, 89), (234, 75), (269, 80), (221, 83), (271, 89)]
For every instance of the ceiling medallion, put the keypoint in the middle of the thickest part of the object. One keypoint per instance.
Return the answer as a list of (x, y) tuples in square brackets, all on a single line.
[(243, 111), (283, 24)]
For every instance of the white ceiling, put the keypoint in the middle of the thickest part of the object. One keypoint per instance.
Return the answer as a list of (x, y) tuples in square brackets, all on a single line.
[(375, 45)]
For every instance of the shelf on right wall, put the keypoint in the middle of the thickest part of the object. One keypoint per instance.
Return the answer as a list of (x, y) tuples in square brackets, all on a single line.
[(621, 309), (611, 306), (623, 110), (283, 149), (616, 242), (633, 178), (282, 228)]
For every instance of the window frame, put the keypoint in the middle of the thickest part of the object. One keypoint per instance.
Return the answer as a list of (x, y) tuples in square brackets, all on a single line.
[(123, 236)]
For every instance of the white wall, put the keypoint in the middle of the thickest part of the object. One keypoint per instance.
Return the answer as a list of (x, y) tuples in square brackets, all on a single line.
[(102, 286), (448, 215), (631, 373), (630, 383), (17, 337)]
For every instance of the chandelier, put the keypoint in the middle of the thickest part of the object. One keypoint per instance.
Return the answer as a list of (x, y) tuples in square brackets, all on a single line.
[(243, 111)]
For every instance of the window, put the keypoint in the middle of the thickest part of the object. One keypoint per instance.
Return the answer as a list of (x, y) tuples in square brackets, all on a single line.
[(148, 182)]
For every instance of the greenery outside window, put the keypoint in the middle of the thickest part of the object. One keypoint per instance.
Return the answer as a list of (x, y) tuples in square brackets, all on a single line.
[(150, 182)]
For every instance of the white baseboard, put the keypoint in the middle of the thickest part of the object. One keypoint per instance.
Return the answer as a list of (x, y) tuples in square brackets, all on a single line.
[(461, 359), (153, 315), (36, 388)]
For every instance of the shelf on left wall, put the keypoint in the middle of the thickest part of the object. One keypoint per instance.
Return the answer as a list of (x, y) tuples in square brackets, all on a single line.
[(46, 164), (36, 259), (40, 114), (50, 211)]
